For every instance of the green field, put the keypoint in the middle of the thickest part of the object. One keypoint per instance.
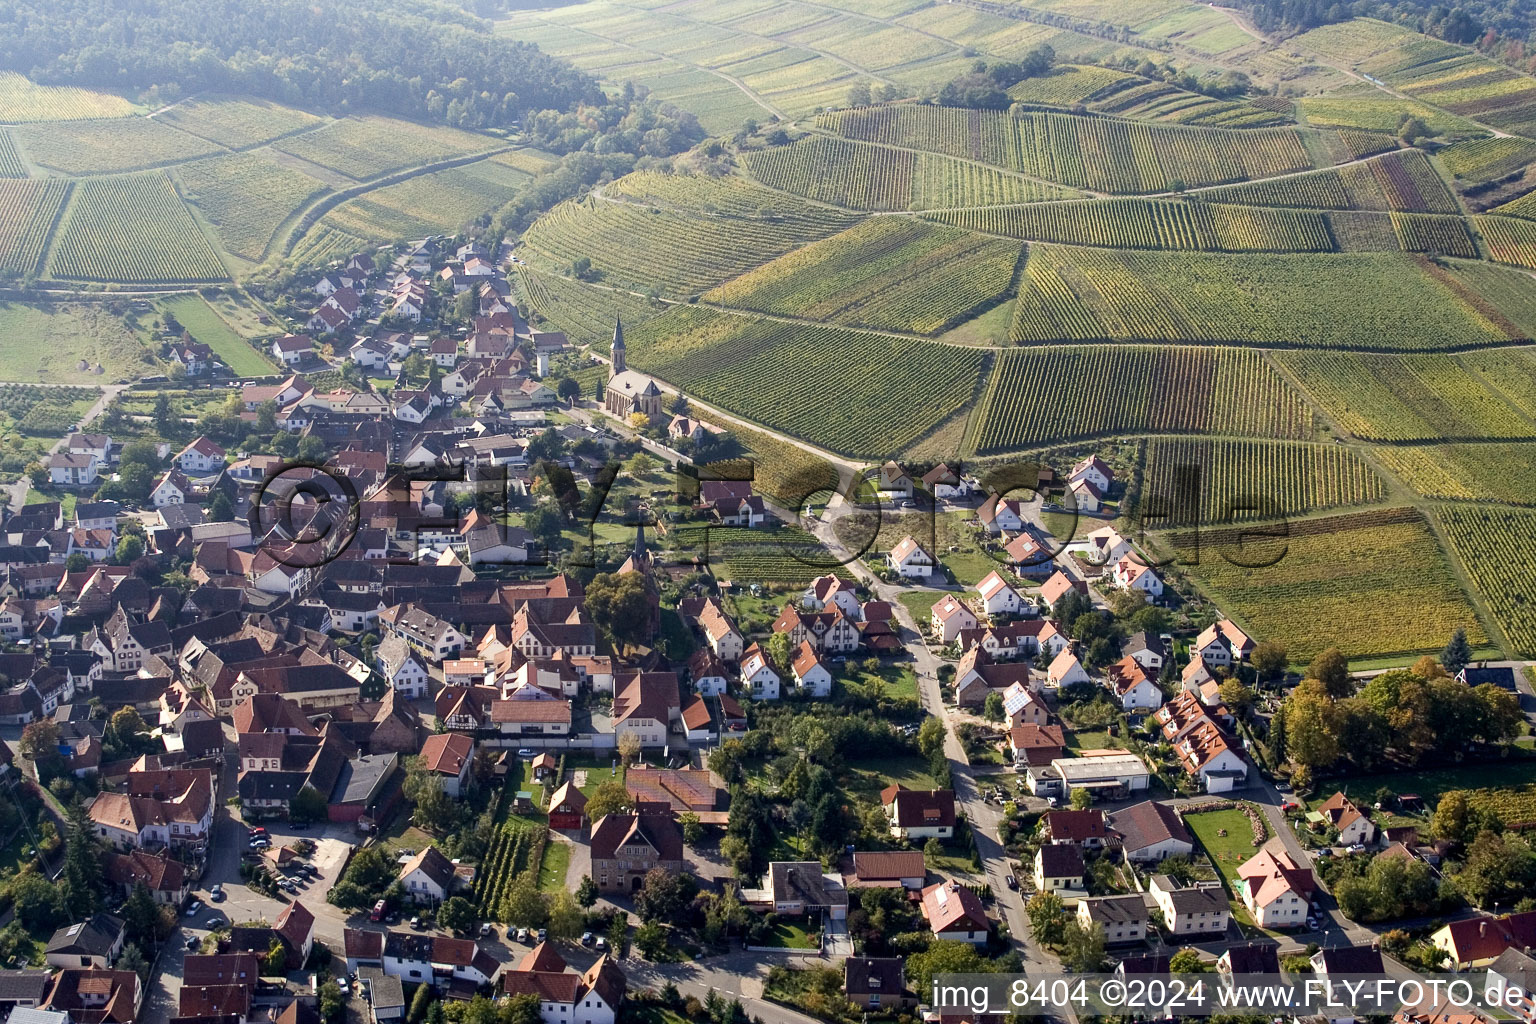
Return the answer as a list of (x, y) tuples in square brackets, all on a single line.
[(131, 228), (208, 327), (1227, 852), (368, 147), (851, 392), (1253, 480), (46, 342), (886, 273), (237, 123), (443, 201), (1482, 472), (1154, 224), (246, 197), (1371, 583), (104, 147)]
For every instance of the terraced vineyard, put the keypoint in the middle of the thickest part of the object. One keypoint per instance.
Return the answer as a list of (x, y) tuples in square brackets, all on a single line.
[(1401, 181), (364, 148), (1059, 393), (1406, 397), (1153, 224), (102, 147), (885, 273), (1487, 159), (862, 176), (1238, 480), (1502, 472), (131, 228), (1282, 300), (237, 123), (853, 393), (637, 248), (28, 210), (1494, 545), (246, 197), (1370, 583), (440, 202), (1427, 232), (730, 196), (1083, 152), (1161, 101)]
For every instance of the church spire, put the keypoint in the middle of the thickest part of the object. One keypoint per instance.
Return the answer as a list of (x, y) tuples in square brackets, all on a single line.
[(618, 346)]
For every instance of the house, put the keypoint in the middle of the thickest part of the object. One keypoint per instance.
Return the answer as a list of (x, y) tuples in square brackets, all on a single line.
[(645, 705), (1149, 832), (451, 964), (1348, 960), (1123, 918), (1029, 558), (427, 877), (1501, 676), (997, 596), (758, 677), (295, 929), (887, 869), (200, 457), (293, 349), (447, 757), (1513, 971), (1252, 958), (999, 516), (1085, 497), (164, 877), (812, 675), (567, 808), (1095, 471), (1475, 941), (1132, 686), (945, 483), (69, 469), (707, 673), (401, 667), (1059, 585), (1066, 670), (796, 888), (918, 814), (1276, 891), (565, 997), (1058, 867), (910, 560), (1130, 574), (94, 942), (954, 913), (23, 989), (1221, 644), (1111, 774), (1032, 744), (1341, 813), (894, 481), (1083, 828), (625, 846), (1150, 652), (173, 488), (1192, 909), (166, 807), (875, 984), (951, 617), (90, 995)]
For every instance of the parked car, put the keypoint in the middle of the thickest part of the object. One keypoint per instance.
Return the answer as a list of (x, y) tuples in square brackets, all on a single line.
[(1013, 883), (525, 752), (216, 894), (194, 907), (543, 934), (586, 938), (522, 935), (193, 942), (486, 931), (416, 922)]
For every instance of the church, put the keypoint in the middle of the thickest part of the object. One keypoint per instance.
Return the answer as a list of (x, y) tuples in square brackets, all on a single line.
[(629, 391)]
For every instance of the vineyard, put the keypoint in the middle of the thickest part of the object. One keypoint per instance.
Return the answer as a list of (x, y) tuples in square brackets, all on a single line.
[(1406, 397), (103, 147), (1160, 101), (1355, 231), (643, 248), (1282, 300), (783, 472), (787, 556), (27, 212), (1513, 807), (885, 273), (1432, 233), (1153, 224), (132, 228), (1402, 181), (246, 197), (863, 176), (1494, 546), (443, 201), (11, 165), (22, 100), (322, 244), (1503, 473), (1068, 84), (584, 313), (849, 392), (731, 197), (1377, 113), (1509, 239), (364, 148), (1487, 159), (1238, 480), (1045, 395), (515, 848), (1084, 152), (1370, 583), (238, 124)]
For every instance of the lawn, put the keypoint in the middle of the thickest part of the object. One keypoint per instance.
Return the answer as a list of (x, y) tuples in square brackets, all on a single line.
[(1090, 739), (599, 771), (790, 935), (920, 603), (899, 681), (868, 776), (552, 869), (402, 835), (47, 343), (206, 325), (1227, 852)]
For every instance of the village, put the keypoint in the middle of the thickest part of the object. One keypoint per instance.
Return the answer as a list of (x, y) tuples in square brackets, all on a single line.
[(486, 690)]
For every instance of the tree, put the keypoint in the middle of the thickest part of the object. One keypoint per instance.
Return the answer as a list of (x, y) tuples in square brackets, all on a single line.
[(1236, 696), (1047, 920), (1268, 659), (663, 895), (693, 829), (1331, 668), (608, 798), (39, 905), (524, 905), (1457, 654), (629, 748), (568, 389), (620, 605), (933, 849), (992, 708), (545, 523), (332, 1006), (651, 940), (129, 549), (944, 957), (220, 510), (419, 1001), (141, 918), (1451, 816), (132, 959), (82, 862), (456, 914), (1311, 726), (1187, 961), (1082, 949), (565, 917), (586, 890), (1082, 799)]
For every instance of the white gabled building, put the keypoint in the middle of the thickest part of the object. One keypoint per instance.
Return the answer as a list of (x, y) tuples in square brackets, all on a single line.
[(997, 596), (758, 677), (909, 559)]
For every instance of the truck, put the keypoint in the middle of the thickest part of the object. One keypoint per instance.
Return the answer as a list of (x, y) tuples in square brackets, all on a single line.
[(378, 911)]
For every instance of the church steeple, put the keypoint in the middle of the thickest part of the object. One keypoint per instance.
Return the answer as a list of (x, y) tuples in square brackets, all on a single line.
[(618, 346)]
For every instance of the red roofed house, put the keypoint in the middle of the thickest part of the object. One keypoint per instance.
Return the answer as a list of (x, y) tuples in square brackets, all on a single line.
[(1341, 813), (1275, 889), (954, 913), (447, 756), (812, 675), (565, 997), (567, 808), (910, 560), (951, 617), (1078, 828), (295, 926), (919, 814), (1474, 941)]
